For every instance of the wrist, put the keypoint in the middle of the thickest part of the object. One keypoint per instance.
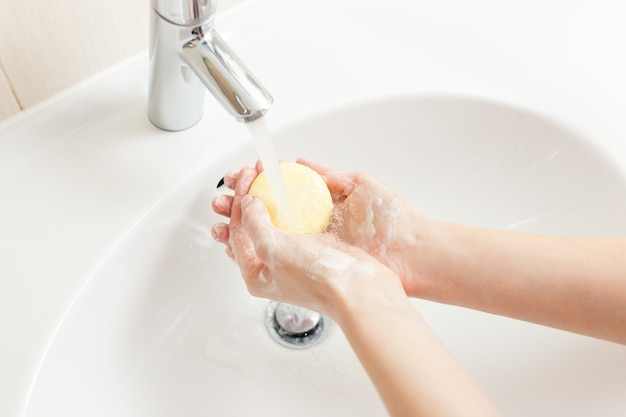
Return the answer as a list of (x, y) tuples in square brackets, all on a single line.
[(422, 257), (369, 297)]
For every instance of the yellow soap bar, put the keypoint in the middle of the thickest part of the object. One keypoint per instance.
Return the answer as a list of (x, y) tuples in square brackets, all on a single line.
[(310, 202)]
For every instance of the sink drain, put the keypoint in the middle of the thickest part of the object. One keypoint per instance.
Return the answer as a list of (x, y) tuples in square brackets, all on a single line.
[(294, 326)]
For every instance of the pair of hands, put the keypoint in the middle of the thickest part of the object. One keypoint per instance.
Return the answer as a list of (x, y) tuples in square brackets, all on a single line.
[(361, 252)]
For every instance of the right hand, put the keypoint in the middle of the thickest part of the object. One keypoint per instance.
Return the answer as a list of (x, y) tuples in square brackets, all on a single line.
[(374, 218)]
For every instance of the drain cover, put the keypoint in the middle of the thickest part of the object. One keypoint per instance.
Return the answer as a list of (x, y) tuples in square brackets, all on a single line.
[(294, 326)]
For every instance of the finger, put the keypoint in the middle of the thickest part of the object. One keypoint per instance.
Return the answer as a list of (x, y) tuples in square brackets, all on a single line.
[(222, 204), (244, 179), (230, 254), (259, 165), (220, 232), (241, 249), (239, 245), (340, 184), (258, 226), (230, 179)]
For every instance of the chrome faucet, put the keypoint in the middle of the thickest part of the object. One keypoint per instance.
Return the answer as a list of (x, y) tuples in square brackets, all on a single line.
[(187, 56)]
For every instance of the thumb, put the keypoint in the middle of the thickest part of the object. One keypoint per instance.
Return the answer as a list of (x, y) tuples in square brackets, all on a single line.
[(340, 184), (259, 228)]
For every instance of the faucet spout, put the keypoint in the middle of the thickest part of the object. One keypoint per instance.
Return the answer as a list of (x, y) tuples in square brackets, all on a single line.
[(187, 57), (232, 84)]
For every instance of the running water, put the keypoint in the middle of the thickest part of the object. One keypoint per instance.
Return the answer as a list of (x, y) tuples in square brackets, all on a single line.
[(262, 139)]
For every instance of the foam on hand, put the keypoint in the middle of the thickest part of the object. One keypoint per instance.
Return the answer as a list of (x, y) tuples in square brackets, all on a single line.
[(310, 204)]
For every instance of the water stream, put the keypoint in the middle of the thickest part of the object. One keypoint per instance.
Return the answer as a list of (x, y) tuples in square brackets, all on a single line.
[(260, 133)]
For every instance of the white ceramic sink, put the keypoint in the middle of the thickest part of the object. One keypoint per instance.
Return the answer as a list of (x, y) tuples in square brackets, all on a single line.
[(165, 327), (115, 301)]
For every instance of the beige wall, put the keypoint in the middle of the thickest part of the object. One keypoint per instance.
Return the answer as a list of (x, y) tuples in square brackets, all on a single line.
[(47, 46)]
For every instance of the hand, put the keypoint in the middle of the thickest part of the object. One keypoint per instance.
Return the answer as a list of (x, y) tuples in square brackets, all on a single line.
[(314, 272), (374, 218), (411, 369)]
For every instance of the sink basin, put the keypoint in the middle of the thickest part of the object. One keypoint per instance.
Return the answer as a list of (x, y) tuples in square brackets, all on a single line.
[(165, 327), (115, 301)]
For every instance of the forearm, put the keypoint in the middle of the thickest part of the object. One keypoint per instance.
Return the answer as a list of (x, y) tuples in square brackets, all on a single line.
[(412, 370), (577, 284)]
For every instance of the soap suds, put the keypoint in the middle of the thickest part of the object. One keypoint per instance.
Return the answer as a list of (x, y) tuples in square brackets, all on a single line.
[(269, 284), (329, 263), (368, 218)]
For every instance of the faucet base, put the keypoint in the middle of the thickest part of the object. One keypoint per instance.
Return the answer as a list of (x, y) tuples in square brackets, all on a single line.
[(175, 94)]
